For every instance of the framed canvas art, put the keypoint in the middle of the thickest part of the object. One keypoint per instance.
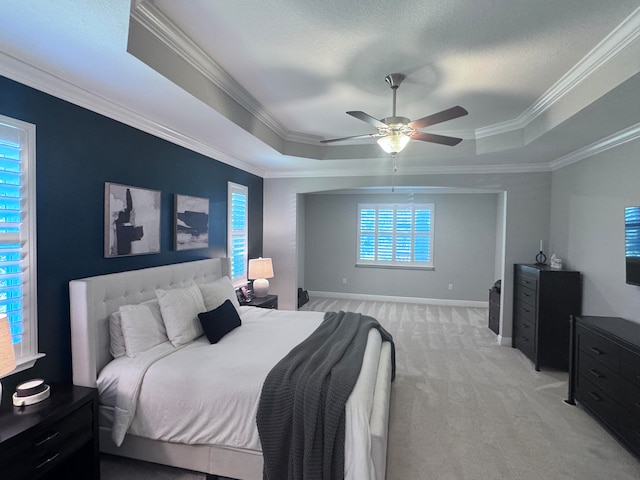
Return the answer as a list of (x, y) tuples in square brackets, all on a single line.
[(191, 222), (131, 220)]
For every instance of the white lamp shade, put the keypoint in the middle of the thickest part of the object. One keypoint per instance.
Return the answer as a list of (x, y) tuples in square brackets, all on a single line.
[(7, 354), (394, 142), (260, 268)]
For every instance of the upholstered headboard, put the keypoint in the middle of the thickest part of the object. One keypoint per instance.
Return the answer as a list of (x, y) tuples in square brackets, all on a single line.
[(94, 299)]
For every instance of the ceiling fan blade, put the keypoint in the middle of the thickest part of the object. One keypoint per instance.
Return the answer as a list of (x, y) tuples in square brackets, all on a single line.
[(443, 116), (430, 137), (365, 117), (369, 135)]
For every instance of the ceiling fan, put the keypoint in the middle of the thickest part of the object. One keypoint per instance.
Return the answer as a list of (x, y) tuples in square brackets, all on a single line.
[(394, 132)]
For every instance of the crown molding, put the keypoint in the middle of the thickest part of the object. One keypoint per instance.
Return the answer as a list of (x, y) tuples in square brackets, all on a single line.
[(612, 45), (607, 143), (362, 171), (39, 79), (159, 25)]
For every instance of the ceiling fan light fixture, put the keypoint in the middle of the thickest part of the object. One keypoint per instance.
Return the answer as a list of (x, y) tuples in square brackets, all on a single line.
[(394, 143)]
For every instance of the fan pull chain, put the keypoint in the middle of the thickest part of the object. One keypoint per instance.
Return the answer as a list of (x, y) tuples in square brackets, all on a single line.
[(393, 175)]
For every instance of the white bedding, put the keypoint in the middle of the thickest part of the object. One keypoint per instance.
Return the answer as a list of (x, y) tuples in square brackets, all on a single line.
[(215, 389)]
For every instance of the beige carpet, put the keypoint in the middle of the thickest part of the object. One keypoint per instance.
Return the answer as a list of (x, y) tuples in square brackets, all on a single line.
[(464, 408)]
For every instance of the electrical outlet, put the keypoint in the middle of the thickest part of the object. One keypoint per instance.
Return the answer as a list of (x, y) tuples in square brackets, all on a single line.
[(451, 286), (344, 281)]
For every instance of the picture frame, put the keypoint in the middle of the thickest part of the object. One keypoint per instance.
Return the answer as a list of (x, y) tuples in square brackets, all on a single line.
[(191, 222), (131, 220)]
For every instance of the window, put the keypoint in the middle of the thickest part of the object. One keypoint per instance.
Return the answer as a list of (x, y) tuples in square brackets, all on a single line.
[(398, 235), (632, 231), (237, 228), (18, 297)]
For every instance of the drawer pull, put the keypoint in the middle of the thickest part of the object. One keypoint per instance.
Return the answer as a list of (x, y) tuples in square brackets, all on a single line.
[(596, 373), (595, 396), (46, 439), (526, 310), (48, 460), (524, 325), (596, 350)]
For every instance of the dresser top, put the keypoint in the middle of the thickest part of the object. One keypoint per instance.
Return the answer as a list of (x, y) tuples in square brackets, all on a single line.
[(542, 268), (625, 330)]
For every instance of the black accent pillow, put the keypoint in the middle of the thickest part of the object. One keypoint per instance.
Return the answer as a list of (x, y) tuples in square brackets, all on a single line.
[(218, 322)]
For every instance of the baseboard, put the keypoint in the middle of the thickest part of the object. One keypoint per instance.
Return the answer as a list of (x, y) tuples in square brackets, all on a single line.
[(388, 298), (504, 341)]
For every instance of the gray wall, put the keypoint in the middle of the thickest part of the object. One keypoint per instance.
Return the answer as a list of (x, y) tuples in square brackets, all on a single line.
[(587, 226), (464, 247), (526, 222)]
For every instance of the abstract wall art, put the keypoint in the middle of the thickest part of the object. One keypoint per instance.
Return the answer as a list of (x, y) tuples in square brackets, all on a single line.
[(191, 222), (131, 220)]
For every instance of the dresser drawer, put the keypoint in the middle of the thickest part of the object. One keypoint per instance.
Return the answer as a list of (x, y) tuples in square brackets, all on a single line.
[(599, 374), (524, 295), (603, 350), (527, 281), (597, 401), (525, 310), (525, 341), (630, 365)]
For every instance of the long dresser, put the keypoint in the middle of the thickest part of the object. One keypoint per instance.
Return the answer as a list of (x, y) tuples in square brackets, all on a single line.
[(543, 300), (604, 374)]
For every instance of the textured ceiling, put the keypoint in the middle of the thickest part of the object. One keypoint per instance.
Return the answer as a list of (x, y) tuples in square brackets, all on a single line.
[(259, 84)]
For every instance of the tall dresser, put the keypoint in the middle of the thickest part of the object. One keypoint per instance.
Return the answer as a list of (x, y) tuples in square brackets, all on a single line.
[(543, 300)]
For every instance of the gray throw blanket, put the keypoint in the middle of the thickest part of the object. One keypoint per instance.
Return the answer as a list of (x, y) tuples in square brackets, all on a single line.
[(301, 414)]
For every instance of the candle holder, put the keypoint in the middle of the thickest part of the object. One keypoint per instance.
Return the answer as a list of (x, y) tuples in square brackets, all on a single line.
[(541, 258)]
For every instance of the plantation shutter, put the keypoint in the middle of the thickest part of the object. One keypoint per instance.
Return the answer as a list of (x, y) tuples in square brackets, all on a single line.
[(238, 215), (17, 236), (395, 235)]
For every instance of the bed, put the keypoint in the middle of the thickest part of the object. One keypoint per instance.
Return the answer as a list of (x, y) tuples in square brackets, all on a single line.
[(215, 430)]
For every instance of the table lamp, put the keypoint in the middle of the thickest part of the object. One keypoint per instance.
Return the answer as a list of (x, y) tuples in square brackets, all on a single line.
[(259, 270), (7, 354)]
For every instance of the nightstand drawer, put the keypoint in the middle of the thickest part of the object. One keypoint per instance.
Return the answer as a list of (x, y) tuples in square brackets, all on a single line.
[(56, 438), (47, 446)]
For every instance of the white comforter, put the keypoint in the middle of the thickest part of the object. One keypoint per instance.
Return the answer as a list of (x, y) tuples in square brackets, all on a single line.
[(208, 394)]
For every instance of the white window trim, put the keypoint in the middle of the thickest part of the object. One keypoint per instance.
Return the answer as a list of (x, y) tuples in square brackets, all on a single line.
[(244, 190), (26, 359), (393, 263)]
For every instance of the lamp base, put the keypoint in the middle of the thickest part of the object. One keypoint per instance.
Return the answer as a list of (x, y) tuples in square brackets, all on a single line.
[(261, 287)]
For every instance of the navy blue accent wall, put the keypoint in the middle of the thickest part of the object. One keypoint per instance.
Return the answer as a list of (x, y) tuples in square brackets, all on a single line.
[(77, 151)]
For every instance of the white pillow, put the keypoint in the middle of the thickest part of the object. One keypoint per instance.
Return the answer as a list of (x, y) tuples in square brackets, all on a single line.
[(142, 327), (116, 341), (215, 293), (180, 308)]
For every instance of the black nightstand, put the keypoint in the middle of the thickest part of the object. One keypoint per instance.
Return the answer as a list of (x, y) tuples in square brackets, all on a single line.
[(270, 301), (56, 438)]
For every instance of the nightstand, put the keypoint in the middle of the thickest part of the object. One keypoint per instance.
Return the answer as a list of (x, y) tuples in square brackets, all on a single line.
[(270, 301), (57, 437)]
